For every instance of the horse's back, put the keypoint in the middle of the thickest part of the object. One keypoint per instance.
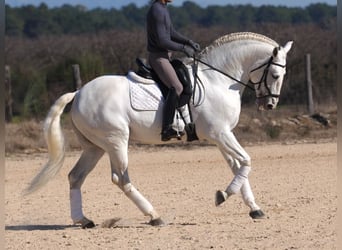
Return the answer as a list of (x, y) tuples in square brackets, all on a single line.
[(103, 89)]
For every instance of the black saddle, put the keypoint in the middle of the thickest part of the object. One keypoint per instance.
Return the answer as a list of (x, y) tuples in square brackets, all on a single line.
[(144, 70)]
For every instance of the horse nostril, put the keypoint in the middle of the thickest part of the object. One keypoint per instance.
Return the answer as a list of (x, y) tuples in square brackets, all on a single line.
[(269, 106)]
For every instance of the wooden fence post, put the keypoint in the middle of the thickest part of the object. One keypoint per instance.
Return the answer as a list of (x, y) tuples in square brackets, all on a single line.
[(8, 94), (77, 76), (310, 101)]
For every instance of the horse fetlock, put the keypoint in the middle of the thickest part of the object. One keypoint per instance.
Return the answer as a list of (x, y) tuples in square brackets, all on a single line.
[(251, 203), (154, 215), (246, 161)]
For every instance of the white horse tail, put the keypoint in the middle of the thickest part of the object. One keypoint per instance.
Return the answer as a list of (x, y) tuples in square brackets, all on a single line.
[(55, 141)]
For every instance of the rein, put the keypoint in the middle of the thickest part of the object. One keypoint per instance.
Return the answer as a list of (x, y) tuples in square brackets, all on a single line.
[(220, 71), (262, 80)]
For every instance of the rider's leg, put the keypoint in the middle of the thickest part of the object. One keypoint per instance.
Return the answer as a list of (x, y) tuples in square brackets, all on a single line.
[(161, 64), (169, 110)]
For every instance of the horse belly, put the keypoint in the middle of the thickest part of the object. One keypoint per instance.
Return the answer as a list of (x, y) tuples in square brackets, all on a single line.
[(145, 126)]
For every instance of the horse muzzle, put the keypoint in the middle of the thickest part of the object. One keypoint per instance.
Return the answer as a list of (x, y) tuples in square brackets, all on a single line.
[(267, 103)]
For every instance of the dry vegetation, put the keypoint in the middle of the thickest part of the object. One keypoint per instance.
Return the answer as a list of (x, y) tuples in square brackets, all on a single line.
[(285, 125)]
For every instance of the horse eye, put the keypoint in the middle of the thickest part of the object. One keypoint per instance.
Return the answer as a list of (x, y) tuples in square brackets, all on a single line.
[(275, 76)]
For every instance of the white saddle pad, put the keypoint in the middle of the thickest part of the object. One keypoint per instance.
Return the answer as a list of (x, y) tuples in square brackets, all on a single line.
[(145, 95)]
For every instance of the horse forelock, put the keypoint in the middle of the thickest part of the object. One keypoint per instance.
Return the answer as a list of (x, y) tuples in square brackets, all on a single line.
[(239, 36)]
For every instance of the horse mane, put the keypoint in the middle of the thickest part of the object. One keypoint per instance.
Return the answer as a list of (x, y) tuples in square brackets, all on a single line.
[(239, 36)]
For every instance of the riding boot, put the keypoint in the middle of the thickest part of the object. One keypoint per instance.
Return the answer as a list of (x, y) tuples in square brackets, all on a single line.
[(170, 105)]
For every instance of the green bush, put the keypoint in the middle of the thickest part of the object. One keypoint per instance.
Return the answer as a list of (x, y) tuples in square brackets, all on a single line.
[(273, 131), (36, 98)]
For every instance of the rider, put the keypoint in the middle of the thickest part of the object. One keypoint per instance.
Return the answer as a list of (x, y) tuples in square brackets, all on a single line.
[(161, 40)]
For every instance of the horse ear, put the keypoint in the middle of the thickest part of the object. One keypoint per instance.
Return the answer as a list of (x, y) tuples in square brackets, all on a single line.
[(275, 51), (288, 46)]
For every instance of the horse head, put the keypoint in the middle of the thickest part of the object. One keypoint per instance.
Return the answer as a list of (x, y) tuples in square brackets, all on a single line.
[(267, 77)]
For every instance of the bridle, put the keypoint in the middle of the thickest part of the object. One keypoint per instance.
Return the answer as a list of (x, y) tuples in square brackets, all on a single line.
[(263, 79)]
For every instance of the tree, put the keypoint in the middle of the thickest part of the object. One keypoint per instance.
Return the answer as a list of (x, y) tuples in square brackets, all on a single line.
[(14, 23), (31, 21), (320, 12)]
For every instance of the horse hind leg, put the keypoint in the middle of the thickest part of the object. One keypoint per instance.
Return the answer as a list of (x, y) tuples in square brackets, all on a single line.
[(86, 163), (120, 177)]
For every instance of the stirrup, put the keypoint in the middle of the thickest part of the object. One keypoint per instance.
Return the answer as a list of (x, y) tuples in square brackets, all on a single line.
[(169, 133)]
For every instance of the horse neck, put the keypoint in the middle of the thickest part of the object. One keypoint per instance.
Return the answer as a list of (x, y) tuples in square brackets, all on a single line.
[(235, 60)]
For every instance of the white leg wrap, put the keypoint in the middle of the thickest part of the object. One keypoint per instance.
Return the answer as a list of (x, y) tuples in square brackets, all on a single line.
[(76, 205), (248, 197), (239, 179), (140, 201)]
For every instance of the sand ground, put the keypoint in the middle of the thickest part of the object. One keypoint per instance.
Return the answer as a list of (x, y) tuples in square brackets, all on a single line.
[(295, 184)]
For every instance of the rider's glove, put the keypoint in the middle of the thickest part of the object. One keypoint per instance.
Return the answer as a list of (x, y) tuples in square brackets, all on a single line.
[(194, 45), (189, 51)]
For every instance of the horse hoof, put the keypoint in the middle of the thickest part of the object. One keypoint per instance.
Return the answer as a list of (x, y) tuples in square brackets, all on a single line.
[(90, 224), (220, 197), (85, 223), (157, 222), (257, 214)]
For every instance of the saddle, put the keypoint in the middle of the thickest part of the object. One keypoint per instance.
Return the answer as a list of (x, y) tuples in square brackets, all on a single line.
[(144, 70), (147, 72)]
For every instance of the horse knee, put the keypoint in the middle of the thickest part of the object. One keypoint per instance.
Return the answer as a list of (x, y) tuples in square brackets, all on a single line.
[(234, 165), (245, 161)]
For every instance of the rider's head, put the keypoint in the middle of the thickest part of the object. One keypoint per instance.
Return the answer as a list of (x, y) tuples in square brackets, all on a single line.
[(164, 1)]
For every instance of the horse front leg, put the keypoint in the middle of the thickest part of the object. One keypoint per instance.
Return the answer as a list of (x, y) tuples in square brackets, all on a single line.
[(240, 163), (246, 190)]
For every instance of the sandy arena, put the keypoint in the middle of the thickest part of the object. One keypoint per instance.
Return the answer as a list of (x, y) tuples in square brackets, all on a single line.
[(294, 184)]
